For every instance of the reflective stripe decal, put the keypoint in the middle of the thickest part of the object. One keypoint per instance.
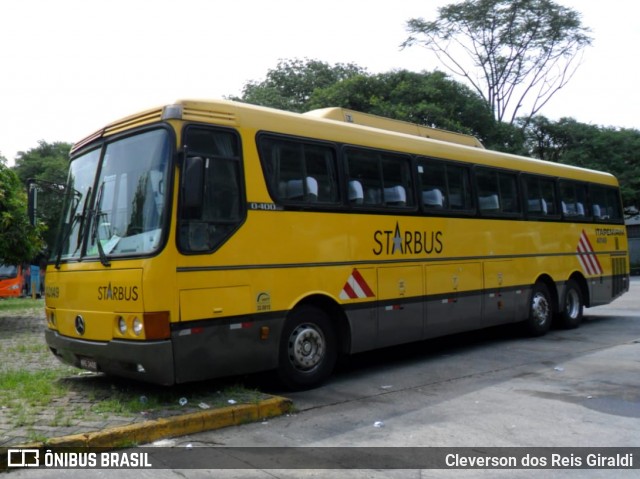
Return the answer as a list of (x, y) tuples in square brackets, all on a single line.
[(586, 256), (356, 287)]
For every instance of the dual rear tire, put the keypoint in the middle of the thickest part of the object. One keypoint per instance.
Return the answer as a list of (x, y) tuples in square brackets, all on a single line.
[(541, 310), (570, 315)]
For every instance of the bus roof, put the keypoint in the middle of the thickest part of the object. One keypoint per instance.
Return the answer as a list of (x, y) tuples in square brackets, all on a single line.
[(346, 126), (359, 118)]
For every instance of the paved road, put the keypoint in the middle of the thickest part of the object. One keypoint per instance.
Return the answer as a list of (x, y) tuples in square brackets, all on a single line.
[(578, 388)]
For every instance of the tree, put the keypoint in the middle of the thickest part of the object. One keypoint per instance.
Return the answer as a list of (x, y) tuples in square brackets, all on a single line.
[(19, 240), (290, 85), (431, 99), (48, 162), (519, 49), (568, 141)]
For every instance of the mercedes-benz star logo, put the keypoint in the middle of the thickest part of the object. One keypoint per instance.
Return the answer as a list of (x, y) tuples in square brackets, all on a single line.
[(80, 326)]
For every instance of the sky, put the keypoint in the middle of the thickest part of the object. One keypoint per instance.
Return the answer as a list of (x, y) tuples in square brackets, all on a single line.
[(68, 67)]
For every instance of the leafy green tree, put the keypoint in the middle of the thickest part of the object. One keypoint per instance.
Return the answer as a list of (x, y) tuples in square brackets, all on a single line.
[(430, 99), (289, 86), (510, 51), (48, 162), (19, 240), (614, 150)]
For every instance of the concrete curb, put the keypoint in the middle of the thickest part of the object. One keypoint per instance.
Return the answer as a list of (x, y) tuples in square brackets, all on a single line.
[(153, 430)]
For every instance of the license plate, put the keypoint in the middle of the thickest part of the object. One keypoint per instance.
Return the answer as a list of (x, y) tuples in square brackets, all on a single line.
[(88, 363)]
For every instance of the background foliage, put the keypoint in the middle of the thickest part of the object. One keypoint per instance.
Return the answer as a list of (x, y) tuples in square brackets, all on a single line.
[(530, 43), (19, 240)]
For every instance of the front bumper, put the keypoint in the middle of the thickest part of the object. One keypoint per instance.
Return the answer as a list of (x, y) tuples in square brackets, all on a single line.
[(149, 361)]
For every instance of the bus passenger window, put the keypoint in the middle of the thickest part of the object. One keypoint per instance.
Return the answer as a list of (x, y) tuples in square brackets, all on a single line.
[(573, 196), (605, 204), (385, 178), (444, 186), (459, 188), (396, 175), (433, 183), (497, 192), (299, 171), (488, 190), (540, 196)]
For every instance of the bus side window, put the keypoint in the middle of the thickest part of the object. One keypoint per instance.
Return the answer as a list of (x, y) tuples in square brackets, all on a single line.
[(459, 188), (444, 186), (385, 178), (573, 197), (433, 183), (212, 193), (540, 196), (298, 171), (497, 192), (488, 191), (396, 177), (605, 204)]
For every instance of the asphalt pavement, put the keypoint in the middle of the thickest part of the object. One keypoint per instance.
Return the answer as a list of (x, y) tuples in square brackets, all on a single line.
[(495, 388)]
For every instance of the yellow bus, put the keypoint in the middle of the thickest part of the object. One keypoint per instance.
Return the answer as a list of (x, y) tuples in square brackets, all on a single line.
[(211, 238)]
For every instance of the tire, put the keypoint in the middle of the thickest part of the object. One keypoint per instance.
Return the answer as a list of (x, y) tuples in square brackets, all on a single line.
[(540, 311), (308, 349), (570, 315)]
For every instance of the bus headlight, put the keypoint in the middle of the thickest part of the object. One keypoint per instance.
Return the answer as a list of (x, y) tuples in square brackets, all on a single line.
[(137, 326), (122, 326)]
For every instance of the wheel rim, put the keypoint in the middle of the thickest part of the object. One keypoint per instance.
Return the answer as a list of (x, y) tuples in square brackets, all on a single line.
[(572, 304), (540, 309), (306, 347)]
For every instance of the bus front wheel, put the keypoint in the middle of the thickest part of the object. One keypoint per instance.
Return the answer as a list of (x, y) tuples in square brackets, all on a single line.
[(307, 349), (540, 311), (571, 312)]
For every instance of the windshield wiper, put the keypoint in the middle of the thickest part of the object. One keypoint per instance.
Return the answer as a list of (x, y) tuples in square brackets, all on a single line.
[(95, 235)]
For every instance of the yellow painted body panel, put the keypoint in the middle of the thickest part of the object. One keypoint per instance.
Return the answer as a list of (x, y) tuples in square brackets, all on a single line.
[(98, 297), (214, 302)]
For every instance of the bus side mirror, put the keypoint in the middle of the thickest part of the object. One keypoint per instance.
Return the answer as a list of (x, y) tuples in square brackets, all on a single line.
[(193, 183)]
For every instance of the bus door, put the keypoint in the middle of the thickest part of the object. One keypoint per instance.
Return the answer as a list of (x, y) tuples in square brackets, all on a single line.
[(400, 305), (454, 298)]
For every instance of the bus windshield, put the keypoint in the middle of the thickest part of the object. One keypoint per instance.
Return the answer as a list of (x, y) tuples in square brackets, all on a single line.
[(122, 210), (8, 271)]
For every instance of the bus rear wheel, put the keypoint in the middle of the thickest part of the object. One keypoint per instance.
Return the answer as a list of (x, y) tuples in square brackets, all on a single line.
[(540, 311), (571, 312), (308, 350)]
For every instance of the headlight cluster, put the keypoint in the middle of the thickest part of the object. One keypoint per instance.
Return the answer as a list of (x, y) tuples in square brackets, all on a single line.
[(149, 326), (130, 325)]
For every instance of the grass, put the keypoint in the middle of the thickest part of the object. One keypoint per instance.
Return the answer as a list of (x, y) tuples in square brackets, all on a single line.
[(144, 399), (36, 390), (24, 393), (20, 304), (30, 387)]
